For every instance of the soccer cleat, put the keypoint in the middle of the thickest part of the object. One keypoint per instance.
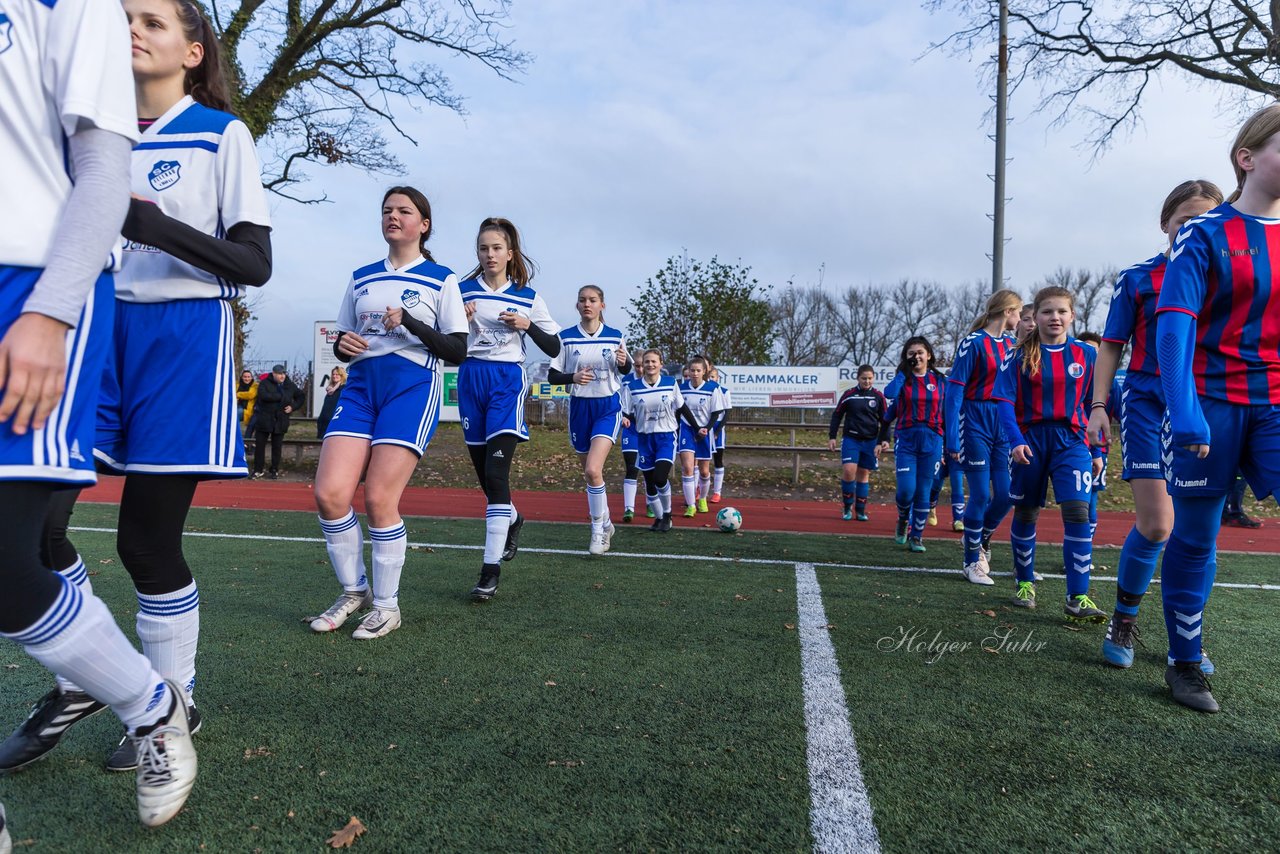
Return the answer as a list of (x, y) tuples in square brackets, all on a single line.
[(1206, 666), (6, 844), (900, 533), (1240, 520), (665, 523), (125, 756), (657, 524), (340, 611), (275, 475), (1026, 595), (376, 623), (257, 475), (702, 506), (600, 541), (1117, 646), (862, 516), (715, 498), (847, 514), (975, 574), (1190, 686), (916, 544), (690, 511), (609, 531), (958, 526), (488, 583), (166, 763), (984, 561), (513, 538), (649, 512), (628, 515), (933, 516), (1081, 609), (50, 717)]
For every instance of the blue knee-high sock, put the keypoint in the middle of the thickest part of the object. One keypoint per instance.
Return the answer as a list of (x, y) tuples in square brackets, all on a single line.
[(1138, 560), (999, 505), (1022, 536), (974, 512), (847, 491), (906, 493), (1077, 556), (920, 506), (862, 492), (957, 493), (1093, 512), (1188, 570)]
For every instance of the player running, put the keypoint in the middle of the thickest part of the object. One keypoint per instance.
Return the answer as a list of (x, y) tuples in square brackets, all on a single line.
[(502, 310), (1043, 391), (717, 455), (630, 451), (592, 361), (653, 403), (398, 319), (866, 437), (69, 110), (915, 400), (696, 441), (1218, 346)]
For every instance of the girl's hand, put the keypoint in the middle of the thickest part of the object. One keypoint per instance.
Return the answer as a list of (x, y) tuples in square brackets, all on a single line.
[(702, 432), (351, 344), (393, 318), (955, 455), (1099, 426), (514, 320), (621, 357), (1097, 470), (881, 448), (831, 444), (1022, 455), (584, 376), (470, 309), (33, 368), (626, 422), (1201, 451)]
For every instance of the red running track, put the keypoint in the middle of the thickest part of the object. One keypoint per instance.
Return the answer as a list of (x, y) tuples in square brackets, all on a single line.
[(816, 517)]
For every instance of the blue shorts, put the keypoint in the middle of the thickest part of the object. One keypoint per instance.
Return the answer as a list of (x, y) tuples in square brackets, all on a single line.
[(1241, 438), (982, 441), (590, 417), (655, 448), (702, 447), (917, 450), (1058, 455), (62, 452), (389, 400), (859, 451), (720, 439), (491, 400), (630, 439), (1141, 420), (168, 403), (1100, 482)]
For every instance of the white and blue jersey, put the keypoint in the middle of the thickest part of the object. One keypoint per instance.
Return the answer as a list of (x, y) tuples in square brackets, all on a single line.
[(653, 409), (704, 402), (492, 340), (64, 65), (594, 408), (630, 437)]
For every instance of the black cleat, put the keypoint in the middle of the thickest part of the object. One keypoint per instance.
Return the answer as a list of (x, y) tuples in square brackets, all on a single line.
[(513, 538), (488, 583), (125, 756), (656, 527), (666, 523), (51, 716), (1190, 686)]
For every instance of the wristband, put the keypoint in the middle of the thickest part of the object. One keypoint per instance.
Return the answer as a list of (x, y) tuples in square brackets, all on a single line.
[(1096, 404)]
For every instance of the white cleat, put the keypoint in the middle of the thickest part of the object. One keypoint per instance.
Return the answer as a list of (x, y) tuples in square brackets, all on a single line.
[(974, 573), (6, 844), (608, 535), (601, 541), (166, 763), (340, 611), (377, 623)]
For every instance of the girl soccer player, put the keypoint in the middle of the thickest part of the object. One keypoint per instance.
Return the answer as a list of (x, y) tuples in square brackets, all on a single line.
[(399, 318), (1132, 317), (197, 231), (592, 359), (717, 455), (654, 404), (630, 452), (69, 110), (697, 441), (1043, 390), (975, 441), (503, 310), (915, 400), (1218, 346), (866, 437)]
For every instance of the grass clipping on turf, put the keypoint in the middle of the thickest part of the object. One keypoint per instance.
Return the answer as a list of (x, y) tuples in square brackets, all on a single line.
[(347, 835)]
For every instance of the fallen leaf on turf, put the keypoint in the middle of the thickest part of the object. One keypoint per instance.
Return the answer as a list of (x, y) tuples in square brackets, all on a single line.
[(829, 626), (991, 650), (343, 838), (597, 586), (1071, 628), (738, 597), (253, 752), (986, 613), (549, 684), (12, 666), (106, 560), (789, 626)]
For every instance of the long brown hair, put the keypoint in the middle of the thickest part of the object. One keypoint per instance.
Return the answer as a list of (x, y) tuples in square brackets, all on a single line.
[(997, 304), (1255, 131), (207, 82), (521, 268), (1185, 192), (419, 201), (1030, 342)]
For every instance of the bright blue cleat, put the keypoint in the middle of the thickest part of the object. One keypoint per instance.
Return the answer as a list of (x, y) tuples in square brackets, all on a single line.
[(1117, 647)]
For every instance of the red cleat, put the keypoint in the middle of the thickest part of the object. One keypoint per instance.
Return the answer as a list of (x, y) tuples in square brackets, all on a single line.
[(715, 498)]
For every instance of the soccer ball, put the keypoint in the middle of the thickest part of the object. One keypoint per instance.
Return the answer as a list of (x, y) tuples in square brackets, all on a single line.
[(729, 519)]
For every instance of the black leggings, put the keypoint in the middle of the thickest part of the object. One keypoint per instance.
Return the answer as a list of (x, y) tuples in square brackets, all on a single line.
[(717, 458), (153, 512), (492, 462), (656, 477), (630, 458), (27, 586)]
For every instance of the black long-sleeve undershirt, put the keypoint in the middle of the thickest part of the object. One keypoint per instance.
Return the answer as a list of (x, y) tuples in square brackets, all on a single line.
[(683, 412), (548, 342), (562, 378), (451, 348), (242, 257)]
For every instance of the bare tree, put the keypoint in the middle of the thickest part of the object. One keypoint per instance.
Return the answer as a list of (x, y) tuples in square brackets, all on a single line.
[(1092, 292), (867, 325), (919, 305), (804, 324), (1097, 57), (964, 304)]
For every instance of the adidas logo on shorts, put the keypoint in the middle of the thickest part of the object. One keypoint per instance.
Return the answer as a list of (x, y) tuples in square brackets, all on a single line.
[(498, 454)]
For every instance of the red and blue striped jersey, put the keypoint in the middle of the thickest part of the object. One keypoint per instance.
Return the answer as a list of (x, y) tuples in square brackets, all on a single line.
[(916, 400), (977, 364), (1221, 272), (1060, 393), (1133, 313)]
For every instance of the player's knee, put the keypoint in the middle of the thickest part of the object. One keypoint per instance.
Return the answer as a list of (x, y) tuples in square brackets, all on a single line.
[(1026, 515), (1075, 512)]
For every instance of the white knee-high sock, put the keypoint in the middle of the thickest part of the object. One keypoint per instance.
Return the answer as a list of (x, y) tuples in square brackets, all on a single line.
[(169, 628), (598, 507), (77, 637), (689, 482), (78, 575), (628, 494), (345, 544), (717, 480), (704, 486), (389, 546), (664, 495), (497, 520)]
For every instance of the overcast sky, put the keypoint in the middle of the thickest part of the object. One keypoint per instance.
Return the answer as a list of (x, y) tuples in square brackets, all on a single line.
[(784, 138)]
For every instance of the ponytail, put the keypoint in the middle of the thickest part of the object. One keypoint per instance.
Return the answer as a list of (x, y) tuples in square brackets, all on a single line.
[(521, 268), (207, 82), (997, 304)]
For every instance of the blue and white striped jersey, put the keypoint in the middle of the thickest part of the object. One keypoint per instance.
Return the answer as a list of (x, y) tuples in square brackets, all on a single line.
[(491, 339), (654, 407), (703, 400), (422, 288), (581, 349), (199, 165)]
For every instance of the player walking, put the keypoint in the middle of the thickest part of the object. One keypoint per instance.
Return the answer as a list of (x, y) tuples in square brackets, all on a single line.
[(654, 404), (697, 443), (866, 437), (630, 452), (717, 455), (915, 397)]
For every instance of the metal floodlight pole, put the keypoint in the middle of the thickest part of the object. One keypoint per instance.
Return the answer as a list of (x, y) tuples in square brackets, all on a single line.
[(1002, 103)]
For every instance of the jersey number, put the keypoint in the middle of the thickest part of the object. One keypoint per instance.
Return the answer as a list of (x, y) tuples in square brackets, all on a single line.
[(1084, 481)]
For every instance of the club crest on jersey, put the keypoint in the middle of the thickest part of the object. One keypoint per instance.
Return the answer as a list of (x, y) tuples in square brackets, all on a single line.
[(872, 402), (164, 174), (410, 298), (6, 32), (1076, 370), (931, 387)]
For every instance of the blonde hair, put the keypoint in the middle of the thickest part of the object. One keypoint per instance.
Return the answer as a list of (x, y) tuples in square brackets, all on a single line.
[(1185, 192), (341, 371), (1255, 131), (997, 304), (1030, 342)]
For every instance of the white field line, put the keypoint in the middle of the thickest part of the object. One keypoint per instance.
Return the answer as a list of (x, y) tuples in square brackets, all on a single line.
[(839, 809), (922, 570)]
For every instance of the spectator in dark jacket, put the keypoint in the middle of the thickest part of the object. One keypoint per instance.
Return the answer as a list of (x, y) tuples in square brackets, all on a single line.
[(277, 398), (337, 379)]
